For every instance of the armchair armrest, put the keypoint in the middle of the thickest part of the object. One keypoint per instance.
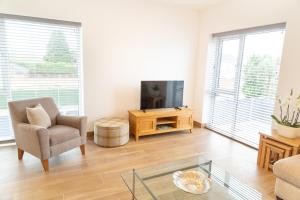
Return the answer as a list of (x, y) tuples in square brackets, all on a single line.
[(34, 140), (78, 122)]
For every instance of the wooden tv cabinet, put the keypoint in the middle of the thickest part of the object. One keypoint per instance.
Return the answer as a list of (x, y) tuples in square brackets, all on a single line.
[(159, 121)]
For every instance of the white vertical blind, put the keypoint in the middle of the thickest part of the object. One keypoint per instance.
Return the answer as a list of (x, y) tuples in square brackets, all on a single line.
[(243, 72), (38, 58)]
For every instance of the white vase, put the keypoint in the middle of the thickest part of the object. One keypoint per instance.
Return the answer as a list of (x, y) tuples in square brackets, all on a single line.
[(287, 131)]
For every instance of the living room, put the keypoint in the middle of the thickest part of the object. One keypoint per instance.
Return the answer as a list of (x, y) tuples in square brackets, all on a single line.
[(89, 65)]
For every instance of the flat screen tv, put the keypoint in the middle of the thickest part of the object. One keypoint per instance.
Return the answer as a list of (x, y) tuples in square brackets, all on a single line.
[(161, 94)]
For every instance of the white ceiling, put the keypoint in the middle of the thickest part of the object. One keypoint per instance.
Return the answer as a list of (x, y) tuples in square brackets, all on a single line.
[(193, 4)]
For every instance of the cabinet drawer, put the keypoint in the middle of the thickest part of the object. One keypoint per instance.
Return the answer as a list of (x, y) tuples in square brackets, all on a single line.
[(146, 125)]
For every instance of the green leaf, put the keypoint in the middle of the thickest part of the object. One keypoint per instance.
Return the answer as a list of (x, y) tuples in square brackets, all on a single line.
[(276, 119)]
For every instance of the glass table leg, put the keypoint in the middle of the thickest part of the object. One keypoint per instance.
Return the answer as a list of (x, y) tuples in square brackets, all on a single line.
[(133, 184)]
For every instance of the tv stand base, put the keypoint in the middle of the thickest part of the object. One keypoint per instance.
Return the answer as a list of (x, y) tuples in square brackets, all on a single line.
[(159, 121)]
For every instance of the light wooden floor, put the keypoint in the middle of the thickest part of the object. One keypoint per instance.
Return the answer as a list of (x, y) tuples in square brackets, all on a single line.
[(96, 176)]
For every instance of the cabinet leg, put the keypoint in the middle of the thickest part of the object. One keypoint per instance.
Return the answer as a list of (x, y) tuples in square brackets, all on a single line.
[(191, 130), (295, 151), (267, 160), (262, 155), (136, 138), (259, 150)]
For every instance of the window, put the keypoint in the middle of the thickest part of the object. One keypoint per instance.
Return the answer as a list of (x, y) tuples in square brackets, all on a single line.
[(243, 81), (38, 58)]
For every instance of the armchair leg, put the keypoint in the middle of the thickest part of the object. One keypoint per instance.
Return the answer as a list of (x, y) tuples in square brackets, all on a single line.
[(20, 154), (45, 164), (82, 149)]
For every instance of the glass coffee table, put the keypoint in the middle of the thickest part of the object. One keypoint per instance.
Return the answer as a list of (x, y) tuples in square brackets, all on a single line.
[(156, 182)]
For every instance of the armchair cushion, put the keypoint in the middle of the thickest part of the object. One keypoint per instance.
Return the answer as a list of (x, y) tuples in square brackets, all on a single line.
[(38, 116), (78, 122), (60, 133)]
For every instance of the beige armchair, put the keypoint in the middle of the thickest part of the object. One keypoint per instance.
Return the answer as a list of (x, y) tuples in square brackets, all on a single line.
[(65, 132)]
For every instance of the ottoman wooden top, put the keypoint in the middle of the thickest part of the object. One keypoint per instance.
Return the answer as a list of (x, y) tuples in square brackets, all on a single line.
[(111, 122)]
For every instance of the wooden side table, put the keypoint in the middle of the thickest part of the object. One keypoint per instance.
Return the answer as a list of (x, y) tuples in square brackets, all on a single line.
[(273, 147)]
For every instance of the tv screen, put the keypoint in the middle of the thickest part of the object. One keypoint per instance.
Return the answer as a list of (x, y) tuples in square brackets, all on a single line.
[(161, 94)]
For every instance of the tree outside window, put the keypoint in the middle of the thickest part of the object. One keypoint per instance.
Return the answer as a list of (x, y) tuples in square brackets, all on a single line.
[(259, 76)]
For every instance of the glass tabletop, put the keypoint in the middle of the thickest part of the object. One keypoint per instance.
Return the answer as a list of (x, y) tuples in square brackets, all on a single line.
[(156, 182)]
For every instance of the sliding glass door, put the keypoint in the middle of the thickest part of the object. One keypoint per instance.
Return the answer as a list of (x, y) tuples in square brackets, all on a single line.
[(244, 83)]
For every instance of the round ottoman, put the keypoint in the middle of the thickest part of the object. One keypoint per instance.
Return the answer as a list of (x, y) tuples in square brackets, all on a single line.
[(111, 132)]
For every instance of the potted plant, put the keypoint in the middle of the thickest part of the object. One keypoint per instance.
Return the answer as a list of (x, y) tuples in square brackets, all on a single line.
[(287, 123)]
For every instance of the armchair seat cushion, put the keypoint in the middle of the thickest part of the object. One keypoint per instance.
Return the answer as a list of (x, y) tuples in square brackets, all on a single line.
[(288, 170), (59, 134)]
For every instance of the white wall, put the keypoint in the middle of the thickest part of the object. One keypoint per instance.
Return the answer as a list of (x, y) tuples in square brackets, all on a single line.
[(124, 42), (239, 14)]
